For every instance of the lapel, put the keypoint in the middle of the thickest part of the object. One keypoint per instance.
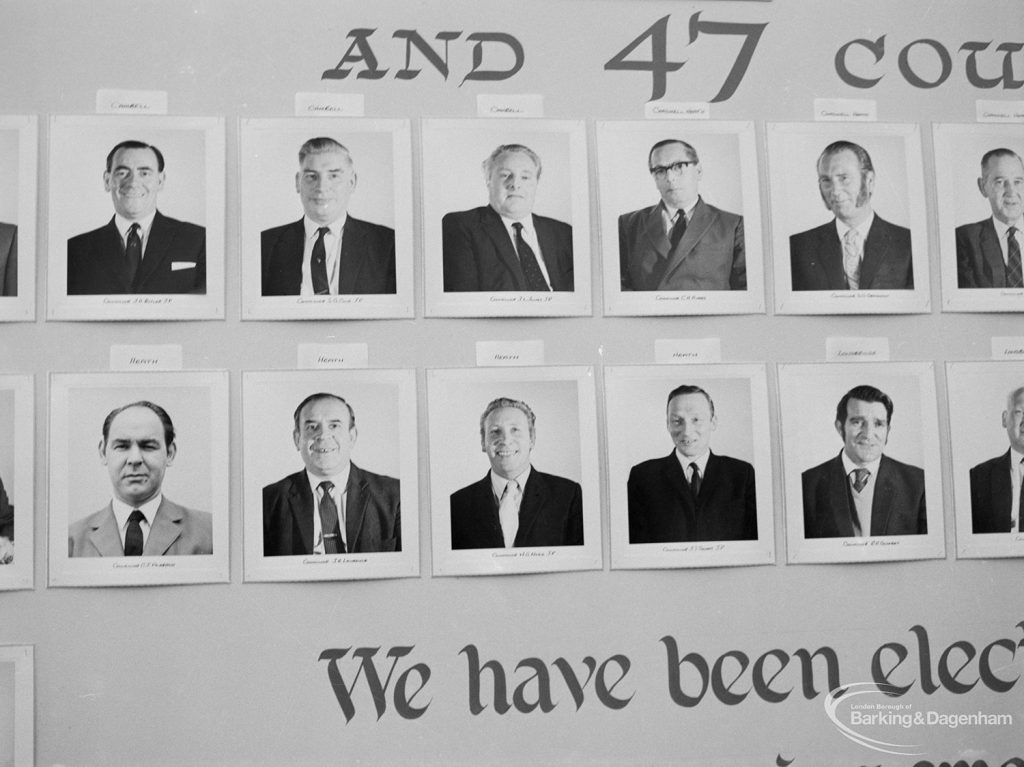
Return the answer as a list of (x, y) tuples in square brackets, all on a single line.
[(353, 254), (839, 497), (288, 252), (165, 528), (157, 253), (1001, 492), (355, 506), (535, 497), (302, 506), (675, 478), (104, 535), (882, 500), (830, 256), (110, 256), (494, 228), (992, 254), (696, 227), (654, 230)]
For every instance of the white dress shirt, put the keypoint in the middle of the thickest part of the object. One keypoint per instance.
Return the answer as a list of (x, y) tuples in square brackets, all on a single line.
[(122, 511), (332, 249), (340, 495)]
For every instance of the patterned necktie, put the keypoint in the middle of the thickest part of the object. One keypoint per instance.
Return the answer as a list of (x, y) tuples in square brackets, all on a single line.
[(851, 258), (694, 480), (860, 478), (508, 513), (133, 535), (1014, 276), (528, 261), (318, 265), (133, 252), (678, 229), (329, 520)]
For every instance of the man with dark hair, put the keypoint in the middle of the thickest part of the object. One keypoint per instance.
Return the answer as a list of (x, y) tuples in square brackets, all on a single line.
[(692, 494), (503, 245), (327, 251), (8, 260), (997, 489), (988, 252), (140, 250), (332, 506), (862, 492), (682, 243), (858, 249), (137, 447), (515, 505)]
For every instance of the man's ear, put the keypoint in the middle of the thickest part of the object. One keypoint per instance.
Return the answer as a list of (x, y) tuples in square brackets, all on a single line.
[(172, 450)]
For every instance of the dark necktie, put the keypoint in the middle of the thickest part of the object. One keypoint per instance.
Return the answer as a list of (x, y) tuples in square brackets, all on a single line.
[(860, 478), (678, 229), (1014, 275), (318, 267), (329, 521), (1020, 502), (528, 261), (133, 535), (133, 252), (694, 480)]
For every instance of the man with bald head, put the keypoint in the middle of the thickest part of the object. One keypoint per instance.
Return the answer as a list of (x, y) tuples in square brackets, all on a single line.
[(997, 497), (988, 252)]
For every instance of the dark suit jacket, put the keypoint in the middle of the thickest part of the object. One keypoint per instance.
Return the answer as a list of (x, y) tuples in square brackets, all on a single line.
[(175, 531), (897, 506), (816, 258), (662, 509), (979, 257), (6, 515), (174, 260), (991, 492), (550, 514), (709, 256), (372, 514), (8, 260), (479, 255), (367, 259)]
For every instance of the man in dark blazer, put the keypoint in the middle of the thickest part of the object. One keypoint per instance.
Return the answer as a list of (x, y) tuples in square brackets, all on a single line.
[(332, 506), (862, 492), (858, 250), (988, 252), (504, 246), (140, 250), (692, 494), (682, 243), (350, 257), (8, 260), (515, 505), (997, 497), (6, 528)]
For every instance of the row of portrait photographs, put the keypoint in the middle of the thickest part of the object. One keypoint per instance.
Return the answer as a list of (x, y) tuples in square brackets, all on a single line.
[(330, 467), (328, 231)]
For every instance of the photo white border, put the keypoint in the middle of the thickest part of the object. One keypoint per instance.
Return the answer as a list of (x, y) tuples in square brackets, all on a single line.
[(22, 307), (23, 658), (20, 573)]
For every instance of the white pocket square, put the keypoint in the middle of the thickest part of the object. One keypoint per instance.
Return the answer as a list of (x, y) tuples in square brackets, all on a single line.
[(177, 266)]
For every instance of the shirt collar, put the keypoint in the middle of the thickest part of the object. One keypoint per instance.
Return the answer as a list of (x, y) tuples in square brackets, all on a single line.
[(498, 482), (849, 465), (123, 224), (1001, 227), (701, 460), (1015, 459), (863, 227), (340, 479), (312, 226), (122, 510), (670, 212)]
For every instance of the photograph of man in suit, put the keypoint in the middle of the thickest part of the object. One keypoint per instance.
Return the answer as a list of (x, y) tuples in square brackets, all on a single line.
[(332, 506), (858, 249), (327, 251), (997, 489), (6, 528), (862, 492), (140, 250), (988, 252), (8, 260), (503, 245), (692, 494), (515, 505), (137, 448), (681, 243)]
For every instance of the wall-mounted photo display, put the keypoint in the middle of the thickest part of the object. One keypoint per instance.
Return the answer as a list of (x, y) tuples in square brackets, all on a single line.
[(326, 218), (136, 229), (689, 466), (680, 218), (513, 470), (17, 705), (849, 224), (506, 218), (861, 462), (330, 472), (18, 163), (17, 504), (138, 478)]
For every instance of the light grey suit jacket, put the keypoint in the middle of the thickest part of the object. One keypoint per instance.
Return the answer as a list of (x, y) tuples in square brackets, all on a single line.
[(175, 531)]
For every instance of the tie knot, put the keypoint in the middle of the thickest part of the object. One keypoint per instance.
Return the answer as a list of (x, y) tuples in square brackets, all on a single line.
[(694, 468), (1011, 232), (518, 226), (134, 228), (852, 236), (860, 478), (510, 487), (322, 231), (327, 486), (136, 516)]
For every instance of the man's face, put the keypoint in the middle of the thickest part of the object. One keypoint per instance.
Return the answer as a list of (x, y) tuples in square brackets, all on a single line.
[(507, 441), (133, 182), (678, 188), (325, 437), (845, 189), (1003, 185), (135, 455), (512, 185), (1013, 422), (690, 423), (865, 430), (325, 183)]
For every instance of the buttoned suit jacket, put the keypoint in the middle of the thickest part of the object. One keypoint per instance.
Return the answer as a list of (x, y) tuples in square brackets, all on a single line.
[(710, 255), (373, 520), (897, 505), (174, 260), (8, 260), (662, 509), (816, 258), (6, 515), (367, 262), (175, 531), (991, 495), (479, 254), (550, 514), (979, 256)]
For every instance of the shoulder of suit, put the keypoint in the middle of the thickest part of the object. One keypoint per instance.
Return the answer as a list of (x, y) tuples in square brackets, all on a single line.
[(641, 214), (93, 520), (975, 226), (733, 463), (903, 468), (823, 467), (653, 464), (470, 215), (182, 226), (474, 487), (554, 480), (554, 223), (992, 463), (816, 232), (382, 480), (378, 229), (276, 231), (85, 237), (285, 482)]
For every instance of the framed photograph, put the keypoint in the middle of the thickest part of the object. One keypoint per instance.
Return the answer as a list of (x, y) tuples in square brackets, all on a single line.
[(506, 218), (17, 504), (513, 470), (138, 478), (330, 475), (849, 223), (18, 163), (712, 262), (865, 487), (689, 465), (17, 706), (355, 178), (141, 230)]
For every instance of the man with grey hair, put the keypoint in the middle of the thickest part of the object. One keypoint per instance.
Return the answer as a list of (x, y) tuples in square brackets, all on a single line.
[(988, 252), (327, 252), (997, 497), (515, 505), (504, 246)]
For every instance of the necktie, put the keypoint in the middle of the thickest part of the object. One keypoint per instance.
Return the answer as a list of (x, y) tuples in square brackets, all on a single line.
[(1014, 275), (678, 229), (318, 265), (329, 521), (860, 478), (851, 258), (1020, 504), (508, 512), (133, 252), (133, 535), (528, 261), (694, 480)]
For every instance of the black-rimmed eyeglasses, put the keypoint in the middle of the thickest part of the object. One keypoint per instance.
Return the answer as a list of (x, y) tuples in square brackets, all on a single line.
[(660, 171)]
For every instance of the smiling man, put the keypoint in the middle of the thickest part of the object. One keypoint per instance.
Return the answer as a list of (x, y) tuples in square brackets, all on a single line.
[(503, 245), (137, 448), (140, 250), (515, 505), (332, 506), (988, 253), (862, 492)]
